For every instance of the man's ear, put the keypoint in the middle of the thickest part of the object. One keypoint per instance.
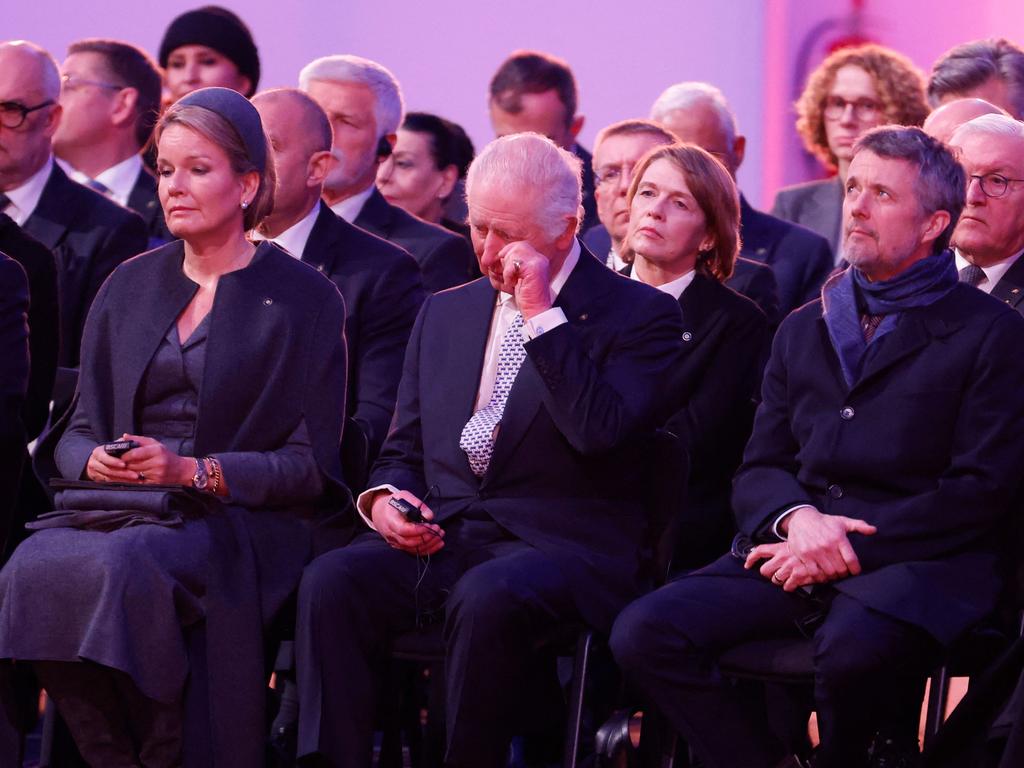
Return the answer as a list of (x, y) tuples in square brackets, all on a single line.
[(564, 240), (124, 106), (52, 120), (934, 226), (319, 166), (576, 126), (739, 151)]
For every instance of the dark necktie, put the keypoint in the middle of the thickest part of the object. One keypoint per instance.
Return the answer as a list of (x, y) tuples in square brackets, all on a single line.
[(869, 324), (4, 202), (972, 274), (99, 186)]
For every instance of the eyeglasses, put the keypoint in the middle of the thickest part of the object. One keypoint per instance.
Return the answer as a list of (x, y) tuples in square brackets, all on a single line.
[(611, 175), (863, 109), (992, 184), (13, 113), (72, 82)]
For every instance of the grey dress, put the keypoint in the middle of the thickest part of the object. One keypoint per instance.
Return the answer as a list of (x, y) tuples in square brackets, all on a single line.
[(124, 598)]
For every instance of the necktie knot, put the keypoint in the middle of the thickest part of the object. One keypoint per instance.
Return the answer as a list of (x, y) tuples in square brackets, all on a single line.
[(972, 274)]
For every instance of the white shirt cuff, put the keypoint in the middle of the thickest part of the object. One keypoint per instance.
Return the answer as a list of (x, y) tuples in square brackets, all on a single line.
[(365, 501), (776, 526), (542, 323)]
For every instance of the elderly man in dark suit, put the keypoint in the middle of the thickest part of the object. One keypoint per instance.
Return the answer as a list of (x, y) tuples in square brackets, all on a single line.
[(884, 462), (989, 238), (88, 234), (801, 260), (110, 99), (380, 282), (523, 401), (363, 101)]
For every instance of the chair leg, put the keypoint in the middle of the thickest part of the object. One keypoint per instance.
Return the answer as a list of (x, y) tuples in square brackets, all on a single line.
[(938, 696), (574, 720)]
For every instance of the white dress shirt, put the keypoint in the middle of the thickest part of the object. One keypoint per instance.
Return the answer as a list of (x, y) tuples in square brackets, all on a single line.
[(505, 310), (673, 288), (614, 261), (119, 179), (294, 238), (24, 199), (993, 273), (351, 207)]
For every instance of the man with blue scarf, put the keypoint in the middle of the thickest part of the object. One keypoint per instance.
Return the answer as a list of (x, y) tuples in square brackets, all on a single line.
[(876, 485)]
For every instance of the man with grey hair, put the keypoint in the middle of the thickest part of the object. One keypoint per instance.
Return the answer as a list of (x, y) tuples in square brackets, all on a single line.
[(992, 70), (883, 467), (989, 238), (513, 463), (698, 113), (88, 234), (363, 101)]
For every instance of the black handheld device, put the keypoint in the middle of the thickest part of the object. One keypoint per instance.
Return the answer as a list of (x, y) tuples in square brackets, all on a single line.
[(407, 510), (119, 447)]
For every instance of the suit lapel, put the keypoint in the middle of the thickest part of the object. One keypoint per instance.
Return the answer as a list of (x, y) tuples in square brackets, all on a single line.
[(143, 198), (321, 250), (376, 215), (526, 397), (1010, 287), (825, 211), (701, 313), (912, 333), (46, 222)]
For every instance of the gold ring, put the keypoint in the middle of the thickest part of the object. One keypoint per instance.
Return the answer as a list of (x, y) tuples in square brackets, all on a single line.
[(778, 579), (516, 266)]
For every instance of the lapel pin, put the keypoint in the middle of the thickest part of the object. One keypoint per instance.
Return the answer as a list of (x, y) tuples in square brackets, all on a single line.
[(687, 336), (1015, 291), (584, 316), (268, 301)]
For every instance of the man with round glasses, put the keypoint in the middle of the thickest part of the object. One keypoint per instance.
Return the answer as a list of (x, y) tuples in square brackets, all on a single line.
[(989, 238), (88, 234)]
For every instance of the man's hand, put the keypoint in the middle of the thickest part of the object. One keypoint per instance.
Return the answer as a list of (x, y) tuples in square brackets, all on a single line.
[(822, 541), (526, 275), (415, 538), (782, 567)]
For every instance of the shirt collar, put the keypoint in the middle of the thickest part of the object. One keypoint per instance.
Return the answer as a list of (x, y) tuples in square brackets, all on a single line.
[(350, 207), (993, 273), (25, 198), (295, 237), (673, 288), (119, 178), (558, 281)]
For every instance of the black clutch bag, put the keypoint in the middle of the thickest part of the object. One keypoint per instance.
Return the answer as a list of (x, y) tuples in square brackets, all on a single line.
[(110, 506)]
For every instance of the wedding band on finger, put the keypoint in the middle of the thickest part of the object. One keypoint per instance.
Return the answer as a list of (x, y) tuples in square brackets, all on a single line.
[(778, 579), (142, 478), (516, 266)]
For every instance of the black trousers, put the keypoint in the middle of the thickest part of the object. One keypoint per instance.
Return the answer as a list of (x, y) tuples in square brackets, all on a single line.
[(500, 596), (667, 643)]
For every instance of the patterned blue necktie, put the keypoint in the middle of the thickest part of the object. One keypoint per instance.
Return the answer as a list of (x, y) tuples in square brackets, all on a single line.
[(100, 187), (478, 435)]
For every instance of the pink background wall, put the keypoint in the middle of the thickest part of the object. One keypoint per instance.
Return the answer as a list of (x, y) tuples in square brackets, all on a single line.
[(623, 53)]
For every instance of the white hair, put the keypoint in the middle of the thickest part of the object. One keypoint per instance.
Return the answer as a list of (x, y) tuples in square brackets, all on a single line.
[(689, 94), (991, 124), (388, 106), (529, 161), (49, 69)]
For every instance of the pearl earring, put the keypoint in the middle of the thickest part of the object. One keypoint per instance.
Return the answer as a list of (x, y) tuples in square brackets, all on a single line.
[(245, 205)]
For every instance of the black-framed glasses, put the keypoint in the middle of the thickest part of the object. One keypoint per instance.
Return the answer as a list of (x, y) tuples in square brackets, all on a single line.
[(993, 184), (13, 113), (72, 82), (863, 109)]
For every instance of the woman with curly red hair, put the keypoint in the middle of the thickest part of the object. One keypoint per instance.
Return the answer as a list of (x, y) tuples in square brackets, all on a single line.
[(851, 92)]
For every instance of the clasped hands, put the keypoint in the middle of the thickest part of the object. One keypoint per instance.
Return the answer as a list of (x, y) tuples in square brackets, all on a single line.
[(817, 550), (422, 538), (151, 462)]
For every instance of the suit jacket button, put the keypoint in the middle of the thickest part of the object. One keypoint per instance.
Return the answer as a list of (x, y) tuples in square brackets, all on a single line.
[(687, 336), (847, 413), (835, 491)]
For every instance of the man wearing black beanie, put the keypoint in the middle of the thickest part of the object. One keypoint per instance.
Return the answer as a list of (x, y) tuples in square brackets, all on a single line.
[(209, 46)]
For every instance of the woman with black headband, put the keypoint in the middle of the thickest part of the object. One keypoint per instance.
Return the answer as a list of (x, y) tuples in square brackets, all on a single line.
[(209, 46), (203, 455)]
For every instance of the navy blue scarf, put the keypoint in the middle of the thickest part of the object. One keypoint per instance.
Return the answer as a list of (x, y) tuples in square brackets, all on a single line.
[(849, 294)]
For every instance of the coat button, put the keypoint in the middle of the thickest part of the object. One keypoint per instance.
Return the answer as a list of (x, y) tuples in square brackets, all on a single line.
[(835, 491), (847, 413), (687, 336)]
